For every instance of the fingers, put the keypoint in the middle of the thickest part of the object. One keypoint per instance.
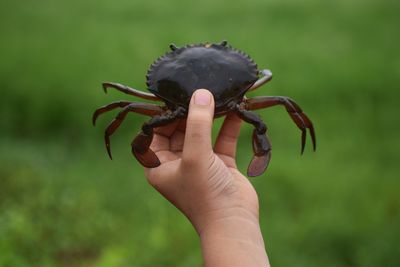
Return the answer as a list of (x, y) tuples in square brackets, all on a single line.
[(228, 135), (161, 139), (178, 137), (197, 143), (169, 138)]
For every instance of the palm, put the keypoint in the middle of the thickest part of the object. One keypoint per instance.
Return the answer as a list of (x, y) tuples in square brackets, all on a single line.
[(168, 145)]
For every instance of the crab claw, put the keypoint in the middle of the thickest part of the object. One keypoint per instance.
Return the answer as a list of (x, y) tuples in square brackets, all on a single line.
[(148, 159), (142, 152), (262, 154), (258, 165)]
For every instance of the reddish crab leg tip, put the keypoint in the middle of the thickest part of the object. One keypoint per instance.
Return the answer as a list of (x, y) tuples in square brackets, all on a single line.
[(108, 147), (303, 141), (314, 140), (94, 118), (109, 152), (105, 87)]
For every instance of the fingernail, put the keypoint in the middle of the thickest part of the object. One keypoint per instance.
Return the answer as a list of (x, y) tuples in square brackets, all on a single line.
[(202, 98)]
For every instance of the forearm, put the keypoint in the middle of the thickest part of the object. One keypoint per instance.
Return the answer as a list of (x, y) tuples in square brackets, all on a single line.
[(233, 242)]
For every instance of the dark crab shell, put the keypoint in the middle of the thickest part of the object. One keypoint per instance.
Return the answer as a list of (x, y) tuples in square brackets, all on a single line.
[(226, 72)]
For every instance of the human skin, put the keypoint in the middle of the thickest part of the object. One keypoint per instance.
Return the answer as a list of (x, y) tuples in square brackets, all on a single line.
[(204, 183)]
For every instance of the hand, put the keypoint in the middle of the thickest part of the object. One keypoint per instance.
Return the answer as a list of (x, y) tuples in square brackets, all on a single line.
[(205, 184)]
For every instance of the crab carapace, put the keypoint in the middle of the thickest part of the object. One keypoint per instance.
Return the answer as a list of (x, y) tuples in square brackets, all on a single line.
[(227, 73)]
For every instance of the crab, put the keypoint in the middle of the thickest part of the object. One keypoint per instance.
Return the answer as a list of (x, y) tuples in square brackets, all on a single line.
[(227, 73)]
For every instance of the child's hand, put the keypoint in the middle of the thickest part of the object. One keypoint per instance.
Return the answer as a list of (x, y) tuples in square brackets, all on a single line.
[(206, 186)]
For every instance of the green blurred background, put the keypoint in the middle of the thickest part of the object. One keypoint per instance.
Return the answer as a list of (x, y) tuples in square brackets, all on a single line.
[(64, 203)]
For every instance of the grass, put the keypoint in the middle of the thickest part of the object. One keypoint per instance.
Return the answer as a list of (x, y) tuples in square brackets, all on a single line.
[(63, 203)]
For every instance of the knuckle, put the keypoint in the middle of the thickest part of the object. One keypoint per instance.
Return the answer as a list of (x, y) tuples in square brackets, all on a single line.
[(198, 118), (196, 136)]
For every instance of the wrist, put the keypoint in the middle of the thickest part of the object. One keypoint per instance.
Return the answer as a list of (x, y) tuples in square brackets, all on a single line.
[(240, 225), (234, 241), (209, 218), (236, 202)]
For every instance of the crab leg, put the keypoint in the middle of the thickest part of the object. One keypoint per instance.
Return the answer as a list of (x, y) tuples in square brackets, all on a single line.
[(295, 112), (141, 108), (267, 76), (141, 144), (130, 91), (109, 107), (261, 143)]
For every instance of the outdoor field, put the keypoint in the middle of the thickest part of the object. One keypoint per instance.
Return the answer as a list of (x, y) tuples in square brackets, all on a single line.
[(63, 202)]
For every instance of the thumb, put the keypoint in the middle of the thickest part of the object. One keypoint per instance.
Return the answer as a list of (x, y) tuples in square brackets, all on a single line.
[(198, 144)]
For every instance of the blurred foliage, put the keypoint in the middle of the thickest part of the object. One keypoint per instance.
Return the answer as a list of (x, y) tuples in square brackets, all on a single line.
[(63, 203)]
